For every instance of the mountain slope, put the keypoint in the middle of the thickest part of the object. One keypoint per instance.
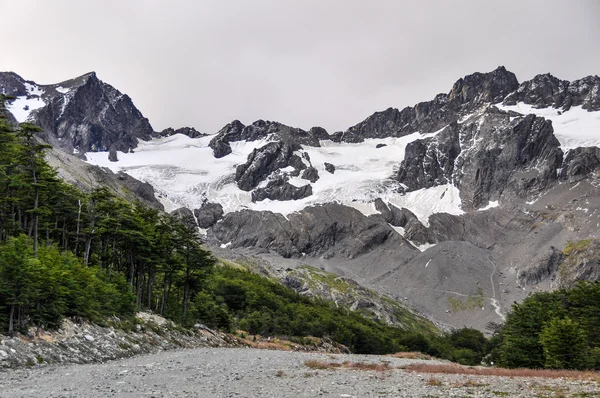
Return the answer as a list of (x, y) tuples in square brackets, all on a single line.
[(486, 183)]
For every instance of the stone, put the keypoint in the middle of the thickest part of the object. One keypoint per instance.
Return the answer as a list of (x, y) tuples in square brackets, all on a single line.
[(329, 167), (311, 174), (208, 214)]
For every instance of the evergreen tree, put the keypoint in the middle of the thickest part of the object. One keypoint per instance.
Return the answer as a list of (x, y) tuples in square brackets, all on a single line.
[(565, 344)]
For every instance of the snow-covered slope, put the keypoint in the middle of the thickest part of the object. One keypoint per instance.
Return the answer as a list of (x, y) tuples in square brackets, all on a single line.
[(184, 171)]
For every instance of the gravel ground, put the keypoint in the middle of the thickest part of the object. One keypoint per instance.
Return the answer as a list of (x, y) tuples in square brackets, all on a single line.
[(243, 372)]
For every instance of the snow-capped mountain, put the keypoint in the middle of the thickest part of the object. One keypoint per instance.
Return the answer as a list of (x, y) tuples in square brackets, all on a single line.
[(471, 196)]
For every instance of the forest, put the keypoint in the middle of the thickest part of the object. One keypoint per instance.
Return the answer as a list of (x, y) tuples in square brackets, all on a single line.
[(66, 253)]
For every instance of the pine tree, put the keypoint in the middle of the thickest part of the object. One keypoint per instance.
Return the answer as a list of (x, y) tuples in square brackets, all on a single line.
[(565, 344)]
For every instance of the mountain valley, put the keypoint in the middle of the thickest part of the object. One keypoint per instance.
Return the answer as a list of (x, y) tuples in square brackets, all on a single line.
[(456, 207)]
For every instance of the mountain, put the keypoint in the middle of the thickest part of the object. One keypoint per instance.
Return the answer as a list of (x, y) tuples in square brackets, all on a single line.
[(460, 205)]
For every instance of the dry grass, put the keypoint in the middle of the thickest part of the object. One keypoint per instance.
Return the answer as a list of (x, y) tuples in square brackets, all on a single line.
[(412, 355), (321, 365), (469, 383), (478, 371), (434, 382), (280, 373)]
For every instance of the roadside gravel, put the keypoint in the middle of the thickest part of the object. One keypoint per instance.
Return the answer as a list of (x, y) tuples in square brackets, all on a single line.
[(245, 372)]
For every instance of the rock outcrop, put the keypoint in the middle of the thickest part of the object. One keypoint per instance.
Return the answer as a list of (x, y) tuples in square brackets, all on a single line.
[(547, 91), (264, 161), (83, 114), (326, 231), (189, 131), (467, 94), (208, 214), (280, 189)]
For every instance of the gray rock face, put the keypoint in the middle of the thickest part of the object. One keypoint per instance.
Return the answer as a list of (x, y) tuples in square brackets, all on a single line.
[(236, 131), (486, 158), (189, 131), (262, 162), (142, 190), (12, 84), (311, 174), (329, 168), (220, 143), (546, 90), (579, 163), (466, 95), (208, 214), (328, 230), (280, 189), (186, 216), (85, 114)]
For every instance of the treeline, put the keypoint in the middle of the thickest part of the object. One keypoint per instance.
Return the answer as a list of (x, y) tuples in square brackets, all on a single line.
[(556, 330), (66, 253)]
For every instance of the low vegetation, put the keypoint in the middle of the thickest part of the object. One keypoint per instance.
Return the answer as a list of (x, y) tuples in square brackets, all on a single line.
[(488, 371), (322, 365)]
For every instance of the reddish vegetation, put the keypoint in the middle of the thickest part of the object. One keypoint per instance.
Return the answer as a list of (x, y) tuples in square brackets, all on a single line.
[(478, 371), (412, 355), (378, 367)]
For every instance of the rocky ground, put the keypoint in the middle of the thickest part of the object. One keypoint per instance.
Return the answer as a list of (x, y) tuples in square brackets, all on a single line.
[(246, 372)]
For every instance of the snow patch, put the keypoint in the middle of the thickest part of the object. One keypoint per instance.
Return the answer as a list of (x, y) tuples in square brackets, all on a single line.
[(225, 245), (21, 107), (62, 90), (491, 205)]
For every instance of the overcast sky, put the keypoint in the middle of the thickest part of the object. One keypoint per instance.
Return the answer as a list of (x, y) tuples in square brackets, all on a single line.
[(330, 63)]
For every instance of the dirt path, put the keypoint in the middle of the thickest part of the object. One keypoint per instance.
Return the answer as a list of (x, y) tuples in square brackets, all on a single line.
[(239, 372)]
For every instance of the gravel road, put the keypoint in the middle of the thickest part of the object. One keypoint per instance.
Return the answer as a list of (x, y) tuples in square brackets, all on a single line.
[(243, 372)]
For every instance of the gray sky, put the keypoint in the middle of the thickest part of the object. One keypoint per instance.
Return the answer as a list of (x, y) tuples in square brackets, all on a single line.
[(330, 63)]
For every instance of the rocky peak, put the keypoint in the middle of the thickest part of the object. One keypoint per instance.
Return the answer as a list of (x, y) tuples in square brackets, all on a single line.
[(260, 129), (467, 95), (548, 91), (12, 84), (479, 88), (189, 131), (81, 114)]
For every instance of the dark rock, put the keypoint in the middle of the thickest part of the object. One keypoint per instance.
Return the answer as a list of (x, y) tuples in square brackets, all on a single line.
[(92, 116), (485, 159), (385, 212), (260, 129), (311, 174), (186, 217), (401, 217), (208, 214), (12, 84), (280, 189), (380, 146), (189, 131), (220, 143), (329, 167), (142, 190), (416, 232), (466, 95), (262, 162), (579, 163), (547, 91), (430, 162), (112, 155), (319, 133), (328, 230)]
